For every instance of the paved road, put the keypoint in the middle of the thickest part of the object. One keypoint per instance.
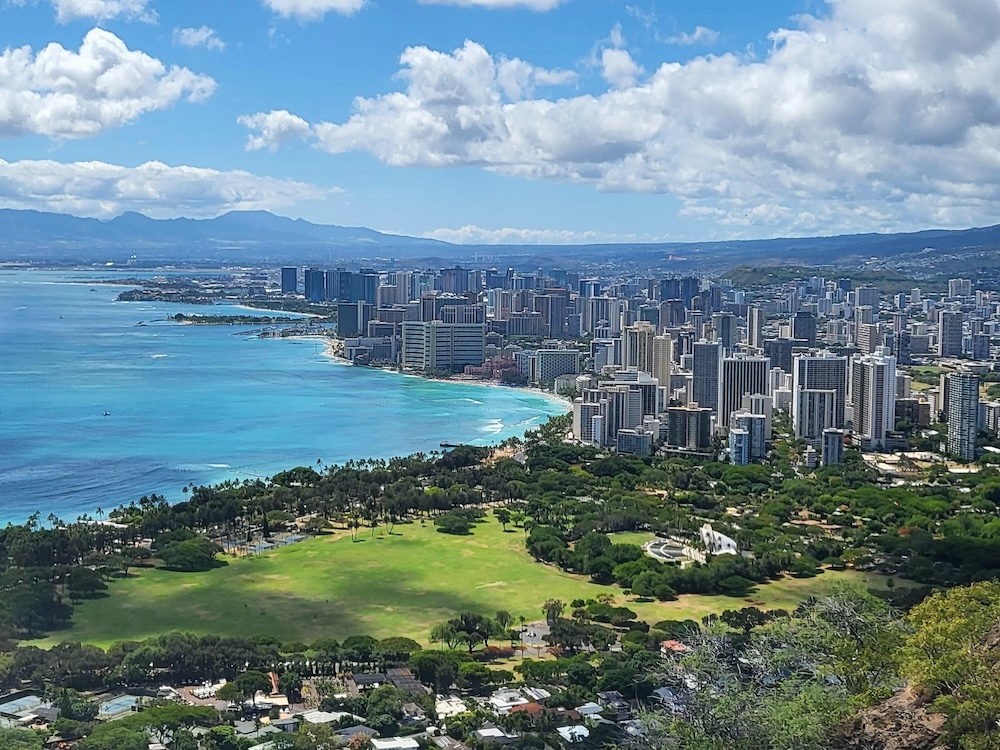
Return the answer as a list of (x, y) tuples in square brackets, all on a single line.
[(532, 636)]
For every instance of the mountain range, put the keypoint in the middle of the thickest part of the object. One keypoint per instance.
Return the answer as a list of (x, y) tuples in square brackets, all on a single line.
[(259, 237)]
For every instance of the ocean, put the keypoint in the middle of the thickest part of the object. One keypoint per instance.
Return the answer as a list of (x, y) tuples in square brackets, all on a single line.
[(96, 410)]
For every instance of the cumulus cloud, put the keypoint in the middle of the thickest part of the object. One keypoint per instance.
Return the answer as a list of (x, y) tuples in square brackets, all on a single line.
[(474, 235), (874, 116), (700, 35), (65, 94), (101, 190), (103, 10), (203, 36), (618, 68), (313, 10), (274, 129)]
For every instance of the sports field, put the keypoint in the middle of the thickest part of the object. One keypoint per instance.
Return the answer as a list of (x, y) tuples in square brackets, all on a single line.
[(402, 584)]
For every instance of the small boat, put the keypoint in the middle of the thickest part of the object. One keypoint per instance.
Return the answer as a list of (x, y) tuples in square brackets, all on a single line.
[(107, 414)]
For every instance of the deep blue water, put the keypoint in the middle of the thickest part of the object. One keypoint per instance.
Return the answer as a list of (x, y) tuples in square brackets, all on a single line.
[(195, 404)]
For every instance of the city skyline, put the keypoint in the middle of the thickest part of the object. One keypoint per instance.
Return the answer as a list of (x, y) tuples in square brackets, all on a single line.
[(460, 120)]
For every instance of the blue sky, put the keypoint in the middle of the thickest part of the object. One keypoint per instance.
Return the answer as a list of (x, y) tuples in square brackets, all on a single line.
[(509, 120)]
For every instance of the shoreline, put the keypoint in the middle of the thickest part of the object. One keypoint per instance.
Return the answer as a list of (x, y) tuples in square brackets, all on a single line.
[(330, 352)]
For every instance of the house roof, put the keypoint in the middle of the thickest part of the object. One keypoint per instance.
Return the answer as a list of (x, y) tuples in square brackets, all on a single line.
[(395, 743), (532, 709), (575, 733), (357, 729)]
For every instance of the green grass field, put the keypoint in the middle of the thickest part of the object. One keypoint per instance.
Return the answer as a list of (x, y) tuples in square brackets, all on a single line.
[(399, 585), (637, 538)]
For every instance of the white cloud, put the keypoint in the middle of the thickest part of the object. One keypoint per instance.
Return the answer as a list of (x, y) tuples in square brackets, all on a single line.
[(700, 35), (474, 235), (877, 116), (155, 189), (312, 10), (203, 36), (65, 94), (274, 128), (618, 68), (537, 5), (103, 10)]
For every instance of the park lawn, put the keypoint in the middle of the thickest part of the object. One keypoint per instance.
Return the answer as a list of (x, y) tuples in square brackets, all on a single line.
[(785, 593), (384, 586), (638, 538)]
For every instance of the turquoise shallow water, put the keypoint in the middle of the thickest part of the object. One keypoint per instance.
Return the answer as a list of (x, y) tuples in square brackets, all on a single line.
[(195, 404)]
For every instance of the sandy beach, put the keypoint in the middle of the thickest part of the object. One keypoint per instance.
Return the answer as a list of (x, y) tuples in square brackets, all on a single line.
[(330, 350)]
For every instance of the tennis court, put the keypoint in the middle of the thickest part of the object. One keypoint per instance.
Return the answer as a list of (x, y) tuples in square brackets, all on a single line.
[(117, 706), (21, 706)]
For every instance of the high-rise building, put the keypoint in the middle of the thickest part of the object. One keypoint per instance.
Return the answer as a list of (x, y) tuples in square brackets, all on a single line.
[(869, 337), (739, 446), (724, 325), (902, 348), (740, 377), (867, 296), (315, 285), (865, 314), (950, 333), (545, 365), (873, 398), (804, 327), (780, 351), (663, 359), (959, 287), (289, 280), (637, 346), (981, 346), (755, 426), (833, 447), (689, 428), (684, 289), (705, 370), (673, 313), (962, 414), (755, 327), (811, 375), (436, 346), (602, 312), (353, 317), (760, 403)]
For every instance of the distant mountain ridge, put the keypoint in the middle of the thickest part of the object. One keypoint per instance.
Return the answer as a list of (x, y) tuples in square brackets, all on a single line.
[(245, 227), (260, 237)]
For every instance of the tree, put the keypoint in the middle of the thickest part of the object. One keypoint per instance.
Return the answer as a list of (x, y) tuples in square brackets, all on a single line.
[(85, 583), (290, 684), (503, 515), (953, 655), (504, 619), (453, 523), (252, 682), (553, 610), (397, 649), (221, 738), (446, 633), (190, 555), (748, 618), (20, 739), (112, 737), (231, 692), (473, 628), (474, 675)]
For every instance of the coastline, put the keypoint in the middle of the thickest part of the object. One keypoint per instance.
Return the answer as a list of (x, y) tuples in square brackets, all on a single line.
[(330, 351)]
